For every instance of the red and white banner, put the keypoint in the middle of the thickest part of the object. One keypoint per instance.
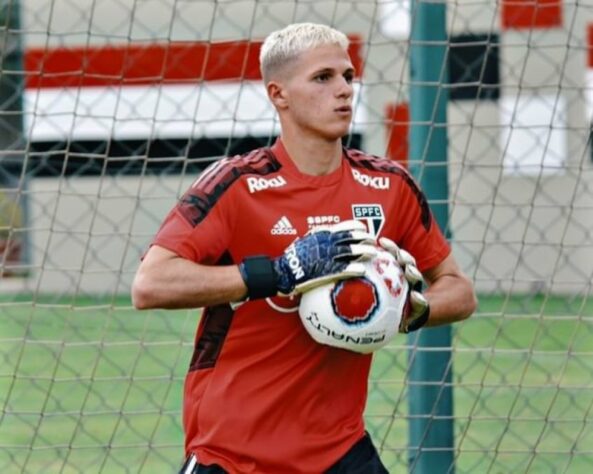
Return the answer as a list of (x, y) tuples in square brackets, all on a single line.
[(153, 91)]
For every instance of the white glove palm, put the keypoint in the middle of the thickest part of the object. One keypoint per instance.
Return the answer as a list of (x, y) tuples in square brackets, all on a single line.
[(418, 309)]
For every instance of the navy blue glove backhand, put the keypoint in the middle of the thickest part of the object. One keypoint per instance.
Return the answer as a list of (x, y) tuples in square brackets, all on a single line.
[(325, 254)]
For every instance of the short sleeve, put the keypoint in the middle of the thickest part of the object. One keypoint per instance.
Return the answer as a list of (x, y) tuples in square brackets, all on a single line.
[(420, 234), (197, 228)]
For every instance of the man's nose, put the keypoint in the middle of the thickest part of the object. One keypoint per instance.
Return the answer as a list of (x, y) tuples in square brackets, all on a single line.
[(345, 88)]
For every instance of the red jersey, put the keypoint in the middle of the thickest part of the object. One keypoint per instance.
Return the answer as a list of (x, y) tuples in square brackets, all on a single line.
[(261, 396)]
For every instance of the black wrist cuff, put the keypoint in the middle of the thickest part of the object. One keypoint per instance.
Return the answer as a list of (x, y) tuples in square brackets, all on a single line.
[(259, 276)]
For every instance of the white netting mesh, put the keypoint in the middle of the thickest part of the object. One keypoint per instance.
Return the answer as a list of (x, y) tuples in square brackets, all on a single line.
[(94, 151)]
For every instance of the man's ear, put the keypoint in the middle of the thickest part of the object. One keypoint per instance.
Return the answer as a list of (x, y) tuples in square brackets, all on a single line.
[(277, 94)]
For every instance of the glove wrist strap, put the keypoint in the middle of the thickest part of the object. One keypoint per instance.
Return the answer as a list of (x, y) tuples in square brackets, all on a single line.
[(259, 276)]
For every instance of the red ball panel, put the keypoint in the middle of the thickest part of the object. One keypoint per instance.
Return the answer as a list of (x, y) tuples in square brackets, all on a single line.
[(354, 300)]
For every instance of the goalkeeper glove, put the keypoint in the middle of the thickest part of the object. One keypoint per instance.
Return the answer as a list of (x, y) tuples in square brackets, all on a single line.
[(418, 309), (325, 254)]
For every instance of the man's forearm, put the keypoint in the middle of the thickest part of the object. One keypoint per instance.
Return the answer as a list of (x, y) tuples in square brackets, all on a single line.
[(451, 298), (168, 281)]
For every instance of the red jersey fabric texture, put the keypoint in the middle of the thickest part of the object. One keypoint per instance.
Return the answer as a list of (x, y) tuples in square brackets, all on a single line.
[(261, 396)]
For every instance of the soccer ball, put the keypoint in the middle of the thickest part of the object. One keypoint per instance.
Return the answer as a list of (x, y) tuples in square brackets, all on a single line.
[(359, 314)]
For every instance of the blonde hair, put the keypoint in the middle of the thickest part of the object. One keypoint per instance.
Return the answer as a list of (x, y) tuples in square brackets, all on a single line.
[(285, 45)]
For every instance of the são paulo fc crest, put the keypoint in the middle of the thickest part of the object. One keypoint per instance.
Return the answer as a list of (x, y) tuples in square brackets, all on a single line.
[(372, 215)]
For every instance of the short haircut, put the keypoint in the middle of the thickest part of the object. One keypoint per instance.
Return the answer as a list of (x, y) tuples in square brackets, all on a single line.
[(285, 45)]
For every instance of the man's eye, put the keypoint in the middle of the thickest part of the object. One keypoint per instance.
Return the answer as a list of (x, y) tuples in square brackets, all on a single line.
[(322, 77), (349, 78)]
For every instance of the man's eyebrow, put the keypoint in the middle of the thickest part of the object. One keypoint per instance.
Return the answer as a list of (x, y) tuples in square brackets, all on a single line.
[(349, 70), (323, 70)]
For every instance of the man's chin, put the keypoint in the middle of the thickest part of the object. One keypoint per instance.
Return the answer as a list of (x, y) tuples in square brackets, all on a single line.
[(333, 135)]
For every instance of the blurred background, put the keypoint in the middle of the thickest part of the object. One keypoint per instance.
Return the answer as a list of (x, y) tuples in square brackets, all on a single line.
[(109, 109)]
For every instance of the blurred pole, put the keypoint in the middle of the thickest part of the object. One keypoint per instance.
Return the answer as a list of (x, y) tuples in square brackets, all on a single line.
[(431, 439), (13, 184)]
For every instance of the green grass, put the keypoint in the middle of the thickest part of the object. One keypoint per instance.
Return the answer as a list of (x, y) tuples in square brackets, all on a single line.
[(91, 387), (523, 396)]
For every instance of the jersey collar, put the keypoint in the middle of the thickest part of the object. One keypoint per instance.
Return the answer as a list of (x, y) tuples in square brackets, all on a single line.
[(289, 167)]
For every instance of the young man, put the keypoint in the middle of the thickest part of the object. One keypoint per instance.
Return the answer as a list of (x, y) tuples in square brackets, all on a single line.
[(261, 396)]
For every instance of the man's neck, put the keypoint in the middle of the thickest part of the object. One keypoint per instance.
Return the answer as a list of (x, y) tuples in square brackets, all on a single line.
[(313, 156)]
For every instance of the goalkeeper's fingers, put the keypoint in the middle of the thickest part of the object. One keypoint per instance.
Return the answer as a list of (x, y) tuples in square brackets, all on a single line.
[(355, 236), (355, 252), (405, 260), (418, 302), (353, 270), (350, 227), (418, 314), (402, 256), (389, 245), (413, 276)]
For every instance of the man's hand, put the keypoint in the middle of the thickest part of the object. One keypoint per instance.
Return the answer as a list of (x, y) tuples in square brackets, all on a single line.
[(418, 309), (325, 254)]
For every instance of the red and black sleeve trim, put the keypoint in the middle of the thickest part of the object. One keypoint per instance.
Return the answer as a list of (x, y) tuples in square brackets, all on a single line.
[(215, 180), (358, 159), (217, 322), (215, 325)]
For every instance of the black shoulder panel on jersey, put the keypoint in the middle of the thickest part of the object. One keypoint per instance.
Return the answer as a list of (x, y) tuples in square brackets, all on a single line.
[(215, 180), (359, 159)]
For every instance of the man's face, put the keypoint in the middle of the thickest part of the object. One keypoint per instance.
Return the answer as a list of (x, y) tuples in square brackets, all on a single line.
[(317, 88)]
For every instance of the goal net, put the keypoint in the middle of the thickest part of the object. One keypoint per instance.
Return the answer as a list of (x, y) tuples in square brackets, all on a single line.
[(109, 109)]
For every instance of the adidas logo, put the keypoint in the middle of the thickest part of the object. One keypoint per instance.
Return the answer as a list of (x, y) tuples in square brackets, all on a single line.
[(283, 227)]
